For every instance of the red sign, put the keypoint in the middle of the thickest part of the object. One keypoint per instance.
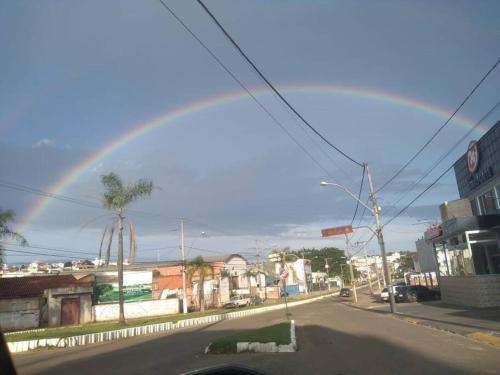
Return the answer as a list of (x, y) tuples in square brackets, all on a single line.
[(283, 273), (327, 232), (472, 157)]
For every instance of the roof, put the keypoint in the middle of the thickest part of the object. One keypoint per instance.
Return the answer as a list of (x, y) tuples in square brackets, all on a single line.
[(34, 286), (221, 258)]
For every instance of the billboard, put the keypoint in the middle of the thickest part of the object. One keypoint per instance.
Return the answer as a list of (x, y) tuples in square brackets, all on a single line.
[(137, 286)]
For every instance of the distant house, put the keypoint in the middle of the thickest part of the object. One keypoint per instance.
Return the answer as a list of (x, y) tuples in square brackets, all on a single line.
[(33, 301)]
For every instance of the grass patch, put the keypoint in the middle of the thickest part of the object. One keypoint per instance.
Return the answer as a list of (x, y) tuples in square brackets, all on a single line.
[(67, 331), (279, 333)]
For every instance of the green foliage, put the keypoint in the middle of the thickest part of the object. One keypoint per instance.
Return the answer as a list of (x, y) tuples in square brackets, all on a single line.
[(406, 264), (118, 196), (279, 333), (199, 267), (7, 216), (336, 260)]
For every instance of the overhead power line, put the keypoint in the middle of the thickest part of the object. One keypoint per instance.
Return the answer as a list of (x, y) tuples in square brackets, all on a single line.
[(24, 252), (359, 194), (73, 200), (447, 153), (440, 129), (243, 86), (418, 196), (275, 90)]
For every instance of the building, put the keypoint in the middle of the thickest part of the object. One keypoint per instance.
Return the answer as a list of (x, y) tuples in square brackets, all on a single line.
[(34, 301), (467, 245)]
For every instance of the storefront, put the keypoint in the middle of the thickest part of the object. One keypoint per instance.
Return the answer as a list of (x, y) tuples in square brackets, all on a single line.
[(467, 248)]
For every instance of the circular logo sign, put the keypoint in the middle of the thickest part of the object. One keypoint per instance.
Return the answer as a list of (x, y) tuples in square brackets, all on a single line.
[(472, 157)]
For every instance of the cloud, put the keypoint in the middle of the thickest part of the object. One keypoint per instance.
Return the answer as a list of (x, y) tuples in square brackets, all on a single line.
[(44, 142)]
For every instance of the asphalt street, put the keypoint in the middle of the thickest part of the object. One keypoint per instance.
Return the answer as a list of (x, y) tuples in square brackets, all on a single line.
[(333, 338)]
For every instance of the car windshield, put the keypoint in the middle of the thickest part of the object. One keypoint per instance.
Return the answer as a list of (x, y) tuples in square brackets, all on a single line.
[(183, 181)]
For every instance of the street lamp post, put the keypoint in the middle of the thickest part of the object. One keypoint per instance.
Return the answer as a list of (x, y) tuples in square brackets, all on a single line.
[(327, 273), (375, 210)]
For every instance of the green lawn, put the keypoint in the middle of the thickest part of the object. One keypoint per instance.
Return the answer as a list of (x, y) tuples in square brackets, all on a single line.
[(67, 331), (279, 333)]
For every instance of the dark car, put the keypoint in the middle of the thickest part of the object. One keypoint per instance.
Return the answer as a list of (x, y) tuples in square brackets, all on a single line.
[(345, 292), (416, 293)]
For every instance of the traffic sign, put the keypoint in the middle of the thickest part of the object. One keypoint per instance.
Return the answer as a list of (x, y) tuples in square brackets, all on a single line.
[(283, 273), (335, 231)]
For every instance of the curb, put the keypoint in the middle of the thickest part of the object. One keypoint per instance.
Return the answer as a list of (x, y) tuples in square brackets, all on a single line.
[(490, 338), (266, 347), (93, 338), (487, 338), (482, 337), (270, 347)]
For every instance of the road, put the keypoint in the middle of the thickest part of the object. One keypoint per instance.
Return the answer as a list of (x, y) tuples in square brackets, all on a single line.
[(333, 338)]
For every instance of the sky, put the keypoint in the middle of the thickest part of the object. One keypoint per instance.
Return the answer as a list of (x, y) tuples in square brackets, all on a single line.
[(77, 76)]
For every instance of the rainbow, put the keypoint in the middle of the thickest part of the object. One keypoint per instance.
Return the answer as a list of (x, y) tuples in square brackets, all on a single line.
[(141, 129)]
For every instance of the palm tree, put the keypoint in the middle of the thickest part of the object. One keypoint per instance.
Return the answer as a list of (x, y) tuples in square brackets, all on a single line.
[(202, 269), (6, 232), (116, 197)]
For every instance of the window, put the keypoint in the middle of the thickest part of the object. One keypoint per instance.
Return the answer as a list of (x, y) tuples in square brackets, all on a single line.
[(479, 206), (497, 197)]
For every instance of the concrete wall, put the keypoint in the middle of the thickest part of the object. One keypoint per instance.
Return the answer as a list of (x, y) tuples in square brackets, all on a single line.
[(140, 309), (55, 296), (473, 291), (18, 314)]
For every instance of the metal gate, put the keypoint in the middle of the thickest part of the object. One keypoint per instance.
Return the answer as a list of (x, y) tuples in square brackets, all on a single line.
[(70, 311)]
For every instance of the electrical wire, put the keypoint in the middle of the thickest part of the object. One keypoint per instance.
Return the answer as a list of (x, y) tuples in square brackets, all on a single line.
[(65, 198), (446, 154), (242, 85), (359, 194), (418, 196), (275, 90), (440, 129)]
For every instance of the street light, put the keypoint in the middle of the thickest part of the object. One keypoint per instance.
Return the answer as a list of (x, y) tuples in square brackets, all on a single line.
[(375, 210)]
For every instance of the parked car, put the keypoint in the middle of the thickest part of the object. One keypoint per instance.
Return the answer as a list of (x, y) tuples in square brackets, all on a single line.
[(345, 292), (384, 295), (238, 301), (417, 293), (400, 293)]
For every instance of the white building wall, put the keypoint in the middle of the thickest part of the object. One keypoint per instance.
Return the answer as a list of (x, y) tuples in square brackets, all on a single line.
[(18, 314)]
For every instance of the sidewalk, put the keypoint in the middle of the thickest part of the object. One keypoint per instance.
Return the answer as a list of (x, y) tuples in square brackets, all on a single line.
[(465, 321)]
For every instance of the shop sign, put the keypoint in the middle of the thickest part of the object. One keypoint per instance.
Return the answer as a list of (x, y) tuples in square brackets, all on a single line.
[(472, 157), (477, 179)]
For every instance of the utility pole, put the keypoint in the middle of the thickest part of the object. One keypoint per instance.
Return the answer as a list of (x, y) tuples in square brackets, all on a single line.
[(353, 282), (380, 237), (369, 273), (183, 257)]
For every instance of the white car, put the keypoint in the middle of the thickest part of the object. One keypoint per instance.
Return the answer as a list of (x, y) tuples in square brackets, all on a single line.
[(384, 295), (238, 301)]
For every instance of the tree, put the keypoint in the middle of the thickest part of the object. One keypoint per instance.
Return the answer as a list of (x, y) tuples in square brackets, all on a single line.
[(199, 267), (406, 264), (5, 232), (335, 258), (116, 197)]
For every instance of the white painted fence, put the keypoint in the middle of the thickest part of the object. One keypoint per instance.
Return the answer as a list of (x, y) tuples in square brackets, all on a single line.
[(140, 309), (92, 338)]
